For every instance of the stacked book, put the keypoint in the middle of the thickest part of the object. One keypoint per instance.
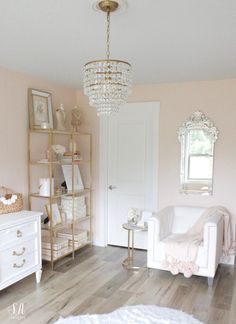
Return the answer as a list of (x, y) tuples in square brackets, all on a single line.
[(67, 157), (79, 207), (62, 243), (59, 247), (80, 236)]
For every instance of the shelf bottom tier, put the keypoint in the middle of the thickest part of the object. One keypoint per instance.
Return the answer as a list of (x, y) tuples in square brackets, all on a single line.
[(64, 253)]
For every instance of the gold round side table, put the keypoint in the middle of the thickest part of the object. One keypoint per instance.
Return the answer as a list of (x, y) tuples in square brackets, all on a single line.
[(128, 263)]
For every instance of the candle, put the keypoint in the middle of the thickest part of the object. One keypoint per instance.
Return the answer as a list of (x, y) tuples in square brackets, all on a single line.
[(71, 146)]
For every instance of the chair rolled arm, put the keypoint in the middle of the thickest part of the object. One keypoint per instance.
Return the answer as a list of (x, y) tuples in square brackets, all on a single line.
[(161, 223), (213, 220)]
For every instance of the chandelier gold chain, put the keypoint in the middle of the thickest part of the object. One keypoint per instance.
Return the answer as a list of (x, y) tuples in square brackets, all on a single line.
[(108, 35)]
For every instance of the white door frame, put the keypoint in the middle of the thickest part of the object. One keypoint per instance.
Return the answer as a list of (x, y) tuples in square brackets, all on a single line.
[(103, 172)]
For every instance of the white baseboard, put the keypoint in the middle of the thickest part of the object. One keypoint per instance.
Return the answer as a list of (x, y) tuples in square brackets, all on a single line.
[(99, 243), (230, 261)]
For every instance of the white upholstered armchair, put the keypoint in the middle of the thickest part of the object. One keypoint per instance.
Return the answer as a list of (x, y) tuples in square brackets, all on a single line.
[(176, 220)]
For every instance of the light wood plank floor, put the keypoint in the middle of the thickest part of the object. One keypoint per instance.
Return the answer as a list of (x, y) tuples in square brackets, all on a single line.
[(97, 283)]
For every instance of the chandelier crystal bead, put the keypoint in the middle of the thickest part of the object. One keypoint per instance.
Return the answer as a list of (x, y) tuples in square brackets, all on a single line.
[(107, 82)]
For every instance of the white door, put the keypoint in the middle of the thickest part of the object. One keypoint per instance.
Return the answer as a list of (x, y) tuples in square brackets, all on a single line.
[(132, 167)]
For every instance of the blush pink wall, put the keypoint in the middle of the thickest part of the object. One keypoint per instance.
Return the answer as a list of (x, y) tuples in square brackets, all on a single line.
[(217, 99), (14, 123)]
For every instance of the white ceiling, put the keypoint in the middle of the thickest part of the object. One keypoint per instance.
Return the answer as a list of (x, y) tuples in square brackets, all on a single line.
[(164, 40)]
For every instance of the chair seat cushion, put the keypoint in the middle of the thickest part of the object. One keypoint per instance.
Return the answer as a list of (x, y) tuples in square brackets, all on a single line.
[(202, 256)]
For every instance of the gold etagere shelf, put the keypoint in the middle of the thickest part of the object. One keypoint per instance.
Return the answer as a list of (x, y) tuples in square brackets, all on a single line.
[(51, 164)]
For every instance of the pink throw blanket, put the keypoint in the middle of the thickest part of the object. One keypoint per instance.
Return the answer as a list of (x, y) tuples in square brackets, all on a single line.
[(181, 249)]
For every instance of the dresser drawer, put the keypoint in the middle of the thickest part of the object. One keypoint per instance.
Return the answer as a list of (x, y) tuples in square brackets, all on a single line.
[(16, 251), (13, 268), (13, 234)]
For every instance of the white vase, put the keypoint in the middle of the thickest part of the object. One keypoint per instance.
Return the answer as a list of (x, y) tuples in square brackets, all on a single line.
[(61, 118)]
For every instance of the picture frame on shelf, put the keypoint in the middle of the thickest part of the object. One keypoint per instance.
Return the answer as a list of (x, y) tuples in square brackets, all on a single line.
[(67, 172), (40, 109), (56, 214)]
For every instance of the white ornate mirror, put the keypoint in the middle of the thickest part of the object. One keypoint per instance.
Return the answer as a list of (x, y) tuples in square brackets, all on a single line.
[(197, 137)]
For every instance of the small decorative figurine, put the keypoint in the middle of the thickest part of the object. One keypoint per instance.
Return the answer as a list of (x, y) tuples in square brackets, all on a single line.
[(61, 118), (134, 215), (59, 150), (76, 118)]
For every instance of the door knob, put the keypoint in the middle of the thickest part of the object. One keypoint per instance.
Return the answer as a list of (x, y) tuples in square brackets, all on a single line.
[(111, 187)]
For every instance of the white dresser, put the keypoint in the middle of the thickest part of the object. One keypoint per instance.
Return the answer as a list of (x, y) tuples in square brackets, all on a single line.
[(20, 247)]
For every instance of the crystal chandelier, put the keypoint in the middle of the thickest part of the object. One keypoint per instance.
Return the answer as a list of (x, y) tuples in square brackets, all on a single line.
[(107, 82)]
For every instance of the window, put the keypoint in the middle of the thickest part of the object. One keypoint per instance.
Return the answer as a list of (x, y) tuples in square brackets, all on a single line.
[(200, 157)]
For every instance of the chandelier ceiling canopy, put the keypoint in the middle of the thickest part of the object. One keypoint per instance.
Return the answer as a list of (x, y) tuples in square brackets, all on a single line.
[(107, 82)]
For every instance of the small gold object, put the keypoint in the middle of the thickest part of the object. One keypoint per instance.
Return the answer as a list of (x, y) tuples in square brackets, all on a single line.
[(108, 5), (19, 254), (19, 266), (76, 119)]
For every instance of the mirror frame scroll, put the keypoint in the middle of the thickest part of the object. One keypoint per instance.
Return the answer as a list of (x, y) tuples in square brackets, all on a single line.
[(197, 121)]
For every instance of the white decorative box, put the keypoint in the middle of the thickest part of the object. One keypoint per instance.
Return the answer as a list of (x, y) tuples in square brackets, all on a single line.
[(80, 209)]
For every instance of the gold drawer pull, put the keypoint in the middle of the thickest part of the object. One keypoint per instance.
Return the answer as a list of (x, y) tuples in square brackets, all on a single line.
[(19, 233), (19, 266), (19, 254)]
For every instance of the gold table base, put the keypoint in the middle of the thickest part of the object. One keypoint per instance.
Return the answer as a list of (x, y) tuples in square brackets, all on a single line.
[(128, 263)]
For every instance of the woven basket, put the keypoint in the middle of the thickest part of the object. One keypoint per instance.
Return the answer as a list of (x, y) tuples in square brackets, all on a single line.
[(13, 207)]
